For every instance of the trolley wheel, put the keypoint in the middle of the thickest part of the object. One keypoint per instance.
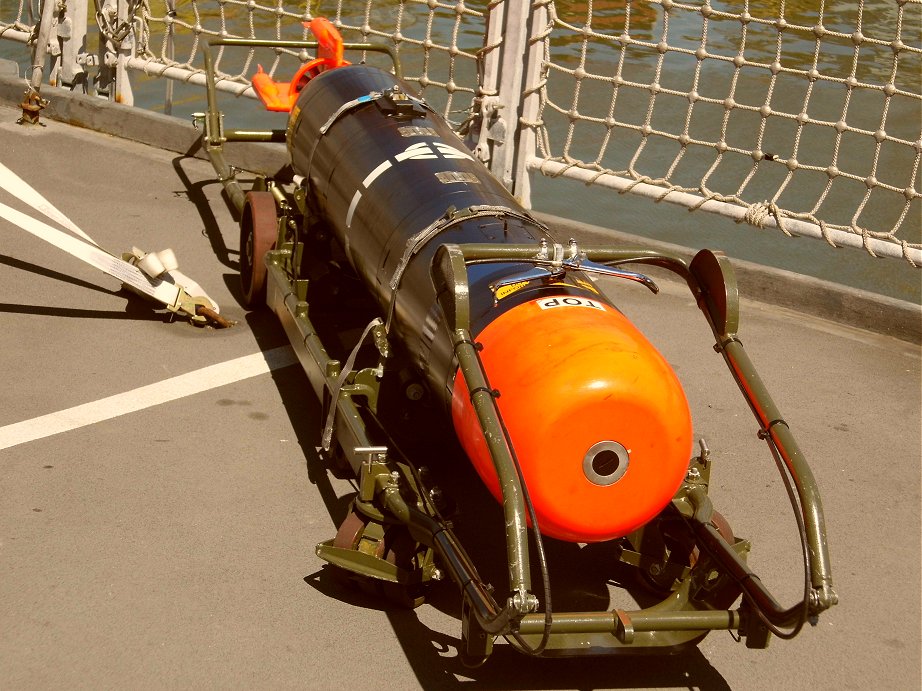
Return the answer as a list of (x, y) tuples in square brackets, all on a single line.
[(719, 521), (350, 530), (403, 552), (684, 548), (724, 592), (396, 547), (348, 536), (258, 230)]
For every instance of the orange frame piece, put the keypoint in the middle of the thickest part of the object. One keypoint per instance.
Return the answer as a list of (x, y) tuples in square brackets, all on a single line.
[(281, 96)]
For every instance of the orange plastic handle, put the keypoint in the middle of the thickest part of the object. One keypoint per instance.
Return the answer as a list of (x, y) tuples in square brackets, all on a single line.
[(329, 39), (305, 73), (274, 95), (281, 96)]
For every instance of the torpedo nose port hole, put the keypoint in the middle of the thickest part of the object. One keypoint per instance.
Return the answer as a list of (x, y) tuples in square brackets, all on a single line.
[(605, 463)]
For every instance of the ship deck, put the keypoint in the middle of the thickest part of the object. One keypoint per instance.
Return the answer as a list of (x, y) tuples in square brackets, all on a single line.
[(158, 515)]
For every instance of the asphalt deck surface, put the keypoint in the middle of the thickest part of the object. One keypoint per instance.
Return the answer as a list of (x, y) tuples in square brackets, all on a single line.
[(171, 544)]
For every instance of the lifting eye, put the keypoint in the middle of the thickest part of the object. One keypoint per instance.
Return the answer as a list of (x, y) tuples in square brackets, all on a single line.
[(605, 463)]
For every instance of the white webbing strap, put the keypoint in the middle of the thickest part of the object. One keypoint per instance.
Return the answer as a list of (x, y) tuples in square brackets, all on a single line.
[(327, 437), (128, 274), (174, 290), (21, 189)]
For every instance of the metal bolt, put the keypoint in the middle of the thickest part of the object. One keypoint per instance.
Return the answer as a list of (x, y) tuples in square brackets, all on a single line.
[(705, 451)]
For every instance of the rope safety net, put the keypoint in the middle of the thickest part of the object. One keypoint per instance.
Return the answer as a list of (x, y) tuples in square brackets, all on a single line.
[(803, 115)]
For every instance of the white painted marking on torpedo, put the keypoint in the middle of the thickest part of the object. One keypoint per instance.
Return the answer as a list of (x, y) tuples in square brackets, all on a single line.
[(174, 388), (373, 175), (416, 151), (355, 203), (451, 152)]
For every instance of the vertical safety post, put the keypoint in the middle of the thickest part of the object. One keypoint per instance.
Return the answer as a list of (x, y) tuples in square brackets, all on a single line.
[(170, 54), (513, 73), (40, 48), (69, 55), (126, 51), (116, 19), (32, 102)]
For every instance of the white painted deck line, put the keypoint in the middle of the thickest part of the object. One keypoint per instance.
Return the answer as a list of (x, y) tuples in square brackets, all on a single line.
[(174, 388)]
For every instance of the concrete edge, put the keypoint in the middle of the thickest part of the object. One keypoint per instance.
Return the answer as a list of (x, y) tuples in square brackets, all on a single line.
[(139, 125), (850, 306)]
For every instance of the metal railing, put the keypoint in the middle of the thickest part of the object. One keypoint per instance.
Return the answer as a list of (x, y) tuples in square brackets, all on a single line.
[(802, 119)]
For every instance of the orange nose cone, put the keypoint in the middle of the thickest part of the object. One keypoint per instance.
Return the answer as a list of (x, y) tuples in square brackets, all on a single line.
[(598, 419)]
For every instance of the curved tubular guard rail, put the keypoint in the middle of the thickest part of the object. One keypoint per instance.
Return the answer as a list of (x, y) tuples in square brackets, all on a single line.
[(484, 403), (713, 285), (215, 134), (429, 531), (667, 616), (714, 288)]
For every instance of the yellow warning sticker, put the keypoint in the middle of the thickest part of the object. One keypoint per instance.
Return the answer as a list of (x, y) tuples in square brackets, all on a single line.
[(587, 285), (508, 290)]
